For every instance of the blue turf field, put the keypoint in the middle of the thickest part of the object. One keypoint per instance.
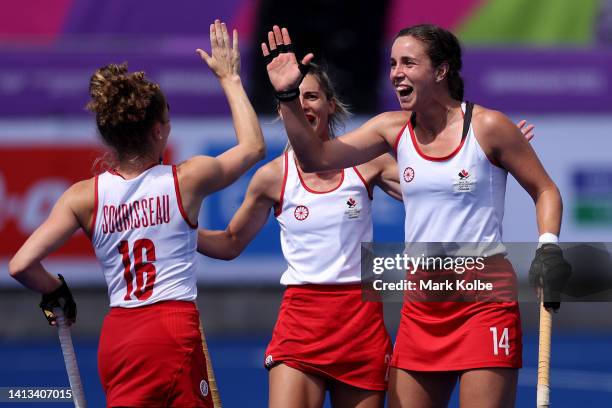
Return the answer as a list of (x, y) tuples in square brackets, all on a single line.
[(581, 373)]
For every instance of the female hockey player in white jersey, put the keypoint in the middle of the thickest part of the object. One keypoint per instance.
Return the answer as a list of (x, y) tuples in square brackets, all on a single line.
[(141, 217)]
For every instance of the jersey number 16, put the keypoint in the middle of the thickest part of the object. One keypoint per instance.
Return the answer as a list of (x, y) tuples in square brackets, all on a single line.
[(141, 268)]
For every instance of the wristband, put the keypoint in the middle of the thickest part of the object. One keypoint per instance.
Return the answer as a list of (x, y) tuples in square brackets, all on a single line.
[(547, 238), (289, 95)]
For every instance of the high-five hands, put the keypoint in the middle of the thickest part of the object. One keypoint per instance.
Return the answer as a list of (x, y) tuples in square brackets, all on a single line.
[(284, 70), (224, 58)]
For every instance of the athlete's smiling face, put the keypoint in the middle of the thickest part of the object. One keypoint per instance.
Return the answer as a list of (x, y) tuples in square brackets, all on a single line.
[(411, 72), (317, 107)]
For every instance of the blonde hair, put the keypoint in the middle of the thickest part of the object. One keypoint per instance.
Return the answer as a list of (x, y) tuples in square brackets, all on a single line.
[(338, 118)]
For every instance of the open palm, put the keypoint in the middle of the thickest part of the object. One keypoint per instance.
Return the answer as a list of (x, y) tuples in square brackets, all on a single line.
[(224, 58), (283, 71)]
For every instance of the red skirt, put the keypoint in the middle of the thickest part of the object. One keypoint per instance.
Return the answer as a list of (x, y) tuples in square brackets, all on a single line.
[(327, 330), (152, 356), (455, 336)]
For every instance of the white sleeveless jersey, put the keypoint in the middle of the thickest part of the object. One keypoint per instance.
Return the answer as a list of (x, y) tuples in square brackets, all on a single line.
[(458, 198), (321, 232), (143, 239)]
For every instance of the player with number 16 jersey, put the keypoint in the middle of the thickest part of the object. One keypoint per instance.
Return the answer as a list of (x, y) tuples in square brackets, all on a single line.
[(141, 217), (143, 238), (146, 247)]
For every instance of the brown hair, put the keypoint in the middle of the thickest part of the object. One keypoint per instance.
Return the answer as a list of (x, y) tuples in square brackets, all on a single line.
[(127, 105), (442, 46)]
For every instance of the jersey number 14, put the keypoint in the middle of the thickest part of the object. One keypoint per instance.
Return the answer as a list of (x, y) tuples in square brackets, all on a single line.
[(143, 269), (500, 342)]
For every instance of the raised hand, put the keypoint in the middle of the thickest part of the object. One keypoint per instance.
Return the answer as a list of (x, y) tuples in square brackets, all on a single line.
[(527, 131), (283, 68), (224, 60)]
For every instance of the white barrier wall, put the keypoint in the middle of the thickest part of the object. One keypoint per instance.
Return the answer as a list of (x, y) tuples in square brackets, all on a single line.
[(40, 158)]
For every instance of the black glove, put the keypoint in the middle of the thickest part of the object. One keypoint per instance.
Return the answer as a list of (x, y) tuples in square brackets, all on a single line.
[(284, 48), (550, 272), (60, 297), (294, 93)]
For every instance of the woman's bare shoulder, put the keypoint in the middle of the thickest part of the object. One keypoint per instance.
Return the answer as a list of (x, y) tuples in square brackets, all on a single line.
[(392, 118), (268, 179)]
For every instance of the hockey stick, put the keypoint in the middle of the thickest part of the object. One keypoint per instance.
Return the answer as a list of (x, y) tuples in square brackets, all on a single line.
[(212, 382), (63, 330), (543, 388)]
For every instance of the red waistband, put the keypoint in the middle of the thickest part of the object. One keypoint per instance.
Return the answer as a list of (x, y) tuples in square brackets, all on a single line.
[(311, 287), (164, 304)]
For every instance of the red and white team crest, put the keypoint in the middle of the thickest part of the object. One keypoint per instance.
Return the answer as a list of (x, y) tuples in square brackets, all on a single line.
[(408, 174), (353, 209), (464, 181), (301, 212)]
